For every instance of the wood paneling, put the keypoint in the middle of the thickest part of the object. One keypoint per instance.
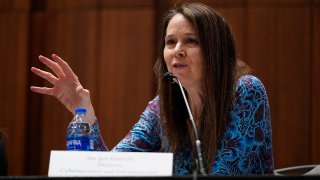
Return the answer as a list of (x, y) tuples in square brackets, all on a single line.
[(13, 73), (69, 5), (236, 16), (293, 85), (315, 96), (111, 51), (13, 77), (73, 36), (280, 58), (14, 6), (34, 100), (125, 71), (111, 47)]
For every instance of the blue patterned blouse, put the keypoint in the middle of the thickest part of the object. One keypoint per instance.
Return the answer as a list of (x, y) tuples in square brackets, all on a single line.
[(246, 147)]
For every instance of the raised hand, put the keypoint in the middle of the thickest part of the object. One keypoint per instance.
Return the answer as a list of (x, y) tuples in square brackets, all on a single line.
[(66, 85)]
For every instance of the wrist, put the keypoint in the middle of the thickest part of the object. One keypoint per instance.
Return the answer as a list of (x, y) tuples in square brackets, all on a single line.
[(96, 128), (91, 115)]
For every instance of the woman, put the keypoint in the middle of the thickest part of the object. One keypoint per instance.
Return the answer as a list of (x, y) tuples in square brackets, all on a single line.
[(230, 108)]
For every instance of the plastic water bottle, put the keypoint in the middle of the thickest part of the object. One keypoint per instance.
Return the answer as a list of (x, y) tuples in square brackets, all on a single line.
[(79, 132)]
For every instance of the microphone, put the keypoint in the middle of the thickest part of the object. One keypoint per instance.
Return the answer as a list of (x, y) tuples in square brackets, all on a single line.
[(169, 76)]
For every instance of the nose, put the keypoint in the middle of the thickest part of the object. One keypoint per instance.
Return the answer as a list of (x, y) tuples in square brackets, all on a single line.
[(179, 50)]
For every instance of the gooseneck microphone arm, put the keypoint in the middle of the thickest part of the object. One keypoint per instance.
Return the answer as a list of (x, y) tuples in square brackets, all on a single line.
[(200, 164)]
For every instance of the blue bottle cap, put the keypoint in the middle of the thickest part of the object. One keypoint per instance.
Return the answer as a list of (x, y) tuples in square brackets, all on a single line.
[(81, 110)]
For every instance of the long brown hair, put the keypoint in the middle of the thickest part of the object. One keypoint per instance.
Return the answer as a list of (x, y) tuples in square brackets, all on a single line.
[(221, 70)]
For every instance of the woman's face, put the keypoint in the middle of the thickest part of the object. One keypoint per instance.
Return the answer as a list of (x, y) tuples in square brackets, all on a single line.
[(182, 52)]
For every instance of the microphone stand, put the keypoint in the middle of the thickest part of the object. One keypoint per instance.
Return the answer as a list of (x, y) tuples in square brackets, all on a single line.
[(200, 163)]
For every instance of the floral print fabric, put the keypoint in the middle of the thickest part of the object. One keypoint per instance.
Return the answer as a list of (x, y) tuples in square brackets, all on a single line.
[(246, 147)]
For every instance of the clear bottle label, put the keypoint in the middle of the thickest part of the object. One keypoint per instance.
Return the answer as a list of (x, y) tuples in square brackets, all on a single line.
[(79, 143)]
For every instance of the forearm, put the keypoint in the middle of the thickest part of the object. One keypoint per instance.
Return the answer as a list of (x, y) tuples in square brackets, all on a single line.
[(99, 144)]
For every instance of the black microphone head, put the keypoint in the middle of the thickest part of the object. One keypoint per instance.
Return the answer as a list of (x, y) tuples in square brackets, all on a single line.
[(168, 76)]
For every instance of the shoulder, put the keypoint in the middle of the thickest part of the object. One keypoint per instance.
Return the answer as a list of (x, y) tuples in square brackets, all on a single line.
[(251, 97), (247, 142), (249, 82), (152, 111), (250, 88), (154, 106)]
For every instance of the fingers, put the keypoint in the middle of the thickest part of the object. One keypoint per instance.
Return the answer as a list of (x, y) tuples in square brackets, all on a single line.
[(52, 65), (64, 66), (45, 75), (42, 90)]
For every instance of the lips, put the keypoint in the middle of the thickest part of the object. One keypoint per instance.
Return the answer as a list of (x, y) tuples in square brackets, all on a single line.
[(179, 65)]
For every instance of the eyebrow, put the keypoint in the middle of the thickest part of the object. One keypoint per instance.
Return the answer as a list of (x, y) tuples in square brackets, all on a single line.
[(186, 34)]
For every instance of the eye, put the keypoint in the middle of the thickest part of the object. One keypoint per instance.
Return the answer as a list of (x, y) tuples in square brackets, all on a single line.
[(170, 42), (192, 41)]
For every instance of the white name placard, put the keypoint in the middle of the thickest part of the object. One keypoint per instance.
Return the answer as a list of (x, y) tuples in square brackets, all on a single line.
[(101, 163)]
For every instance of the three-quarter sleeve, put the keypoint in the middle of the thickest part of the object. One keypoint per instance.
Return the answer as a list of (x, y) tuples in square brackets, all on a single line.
[(246, 147), (145, 136), (98, 143)]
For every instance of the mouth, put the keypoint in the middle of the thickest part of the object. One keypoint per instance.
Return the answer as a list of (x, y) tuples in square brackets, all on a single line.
[(179, 65)]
